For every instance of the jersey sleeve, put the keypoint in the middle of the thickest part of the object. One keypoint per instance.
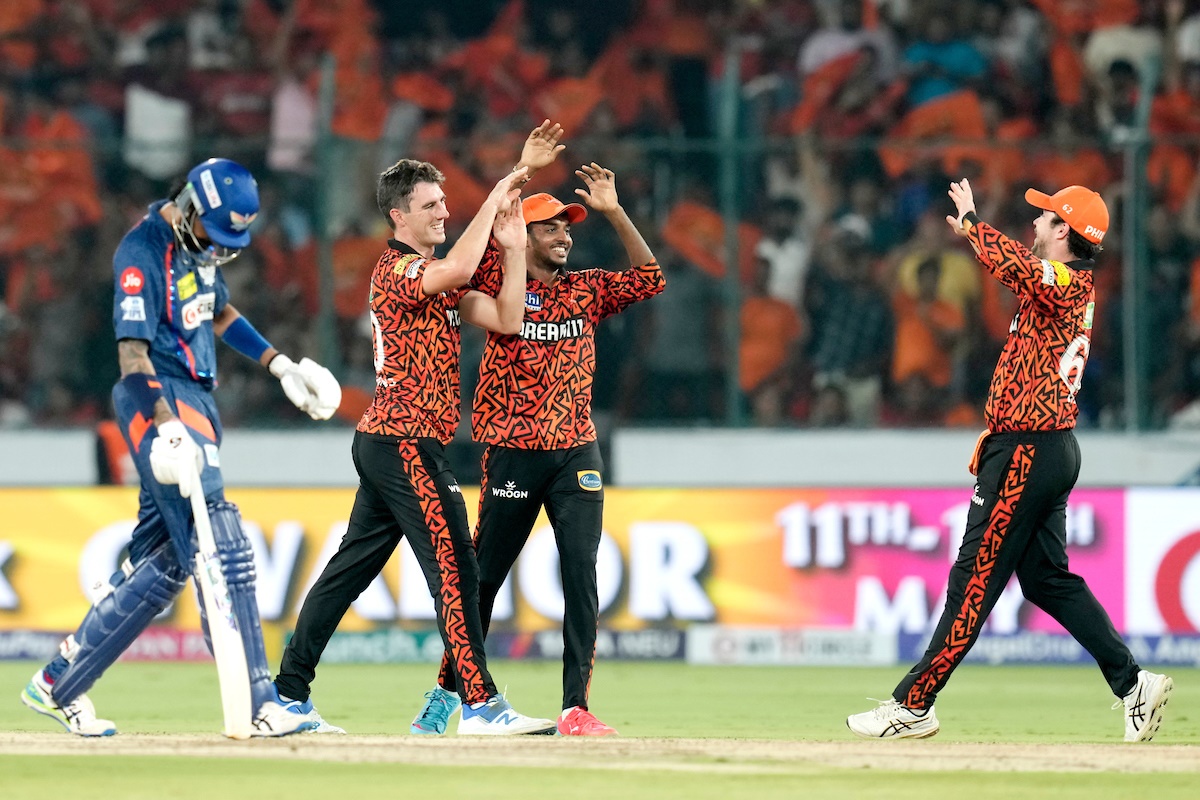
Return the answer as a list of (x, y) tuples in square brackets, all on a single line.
[(490, 272), (139, 291), (1049, 284), (616, 291), (221, 289), (400, 286)]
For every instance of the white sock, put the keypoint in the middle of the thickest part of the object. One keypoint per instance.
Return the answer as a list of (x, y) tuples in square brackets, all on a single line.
[(566, 711)]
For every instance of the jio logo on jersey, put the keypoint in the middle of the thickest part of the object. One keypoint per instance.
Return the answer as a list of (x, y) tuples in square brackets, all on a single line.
[(533, 301), (132, 280), (198, 310)]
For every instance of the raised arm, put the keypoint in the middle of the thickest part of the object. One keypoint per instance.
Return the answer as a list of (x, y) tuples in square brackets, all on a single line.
[(460, 263), (541, 148), (601, 195), (505, 312), (1047, 283)]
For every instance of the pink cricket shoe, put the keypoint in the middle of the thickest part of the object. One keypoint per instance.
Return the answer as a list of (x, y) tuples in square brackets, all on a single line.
[(576, 721)]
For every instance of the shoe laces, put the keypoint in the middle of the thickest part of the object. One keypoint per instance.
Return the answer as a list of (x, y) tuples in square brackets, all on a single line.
[(886, 708), (438, 698), (80, 709)]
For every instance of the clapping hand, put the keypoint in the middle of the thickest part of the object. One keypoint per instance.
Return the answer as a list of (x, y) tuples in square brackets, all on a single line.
[(542, 147), (601, 191), (509, 227), (964, 202)]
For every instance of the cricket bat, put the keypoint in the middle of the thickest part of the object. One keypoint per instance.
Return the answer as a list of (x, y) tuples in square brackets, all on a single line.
[(228, 650)]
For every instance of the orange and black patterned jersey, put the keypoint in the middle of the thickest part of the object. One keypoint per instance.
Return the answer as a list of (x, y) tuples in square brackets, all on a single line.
[(535, 388), (1041, 367), (416, 341)]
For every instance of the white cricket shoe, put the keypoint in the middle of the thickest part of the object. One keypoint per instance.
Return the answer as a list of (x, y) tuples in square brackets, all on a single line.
[(1144, 706), (78, 716), (891, 720), (277, 718), (497, 718), (308, 710)]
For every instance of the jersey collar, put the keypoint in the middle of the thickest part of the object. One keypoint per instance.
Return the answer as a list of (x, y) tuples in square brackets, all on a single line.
[(396, 244)]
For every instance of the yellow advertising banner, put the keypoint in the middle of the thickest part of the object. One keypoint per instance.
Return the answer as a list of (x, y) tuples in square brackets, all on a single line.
[(863, 559)]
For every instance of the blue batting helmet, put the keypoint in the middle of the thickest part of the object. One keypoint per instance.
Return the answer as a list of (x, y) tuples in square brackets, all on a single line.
[(226, 198)]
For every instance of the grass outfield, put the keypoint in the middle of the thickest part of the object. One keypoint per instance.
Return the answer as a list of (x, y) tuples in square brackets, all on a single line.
[(694, 732)]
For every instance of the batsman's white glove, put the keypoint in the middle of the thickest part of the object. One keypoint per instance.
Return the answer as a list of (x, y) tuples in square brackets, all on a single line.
[(175, 458), (309, 386)]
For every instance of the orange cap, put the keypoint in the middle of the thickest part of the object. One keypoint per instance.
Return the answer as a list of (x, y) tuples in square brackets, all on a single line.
[(542, 206), (1080, 207)]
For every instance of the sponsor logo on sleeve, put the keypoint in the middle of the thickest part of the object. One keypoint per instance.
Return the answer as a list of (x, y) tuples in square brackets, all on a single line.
[(1047, 273), (1088, 315), (187, 286), (589, 480), (212, 455), (133, 309), (407, 265), (132, 280), (198, 310), (1062, 275)]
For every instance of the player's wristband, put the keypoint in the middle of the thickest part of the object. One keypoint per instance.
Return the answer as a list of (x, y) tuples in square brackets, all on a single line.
[(145, 391), (969, 218), (241, 336)]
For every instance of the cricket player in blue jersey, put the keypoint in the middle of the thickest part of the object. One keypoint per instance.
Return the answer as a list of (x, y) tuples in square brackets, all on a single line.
[(170, 304)]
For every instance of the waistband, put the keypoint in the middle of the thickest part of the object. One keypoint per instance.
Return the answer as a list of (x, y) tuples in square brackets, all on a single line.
[(1031, 437)]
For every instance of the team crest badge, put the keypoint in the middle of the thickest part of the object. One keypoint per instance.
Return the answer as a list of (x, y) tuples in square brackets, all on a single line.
[(241, 221)]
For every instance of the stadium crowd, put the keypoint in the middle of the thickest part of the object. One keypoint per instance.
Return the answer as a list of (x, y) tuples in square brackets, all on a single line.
[(858, 308)]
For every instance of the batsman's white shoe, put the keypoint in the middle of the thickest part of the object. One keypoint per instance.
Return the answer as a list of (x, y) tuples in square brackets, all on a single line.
[(309, 710), (497, 718), (1144, 706), (277, 718), (891, 720), (78, 716)]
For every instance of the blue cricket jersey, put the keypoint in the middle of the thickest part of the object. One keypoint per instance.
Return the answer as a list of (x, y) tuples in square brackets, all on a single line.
[(159, 298)]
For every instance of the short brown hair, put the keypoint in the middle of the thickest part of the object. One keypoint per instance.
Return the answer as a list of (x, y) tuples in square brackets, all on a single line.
[(396, 183)]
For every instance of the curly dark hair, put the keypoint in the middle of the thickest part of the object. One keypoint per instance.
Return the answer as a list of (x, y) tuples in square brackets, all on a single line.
[(1079, 246)]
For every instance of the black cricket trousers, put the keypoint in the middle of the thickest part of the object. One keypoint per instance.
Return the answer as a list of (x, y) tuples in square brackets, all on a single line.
[(1017, 523), (406, 488), (516, 485)]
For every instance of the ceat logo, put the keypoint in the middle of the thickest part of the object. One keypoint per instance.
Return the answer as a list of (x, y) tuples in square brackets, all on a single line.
[(1168, 584), (132, 280)]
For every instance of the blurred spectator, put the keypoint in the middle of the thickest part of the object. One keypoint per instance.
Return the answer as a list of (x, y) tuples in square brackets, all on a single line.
[(852, 333), (771, 331), (158, 108), (842, 33), (927, 349), (940, 61), (959, 279), (104, 101), (783, 253), (680, 377)]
